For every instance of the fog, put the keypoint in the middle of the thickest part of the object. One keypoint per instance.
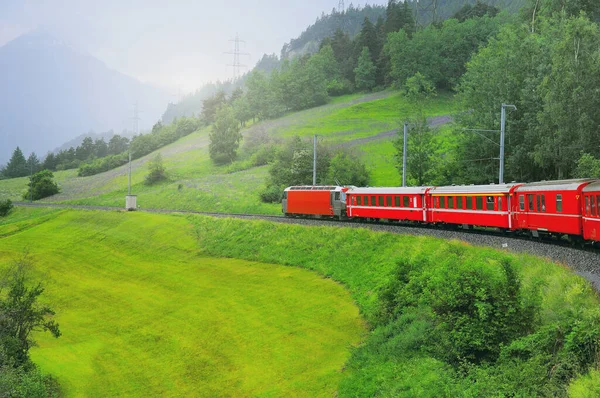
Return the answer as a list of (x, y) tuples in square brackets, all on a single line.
[(177, 45)]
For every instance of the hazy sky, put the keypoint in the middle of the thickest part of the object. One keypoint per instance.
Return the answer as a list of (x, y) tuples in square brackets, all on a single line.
[(173, 44)]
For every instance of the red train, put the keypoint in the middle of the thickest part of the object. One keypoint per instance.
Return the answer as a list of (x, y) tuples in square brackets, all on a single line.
[(556, 208)]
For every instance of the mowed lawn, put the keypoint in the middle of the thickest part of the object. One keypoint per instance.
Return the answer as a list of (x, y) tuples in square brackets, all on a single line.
[(144, 313)]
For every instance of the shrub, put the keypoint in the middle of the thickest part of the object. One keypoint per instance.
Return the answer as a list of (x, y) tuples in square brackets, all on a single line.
[(156, 171), (42, 184), (5, 207), (101, 165), (272, 194)]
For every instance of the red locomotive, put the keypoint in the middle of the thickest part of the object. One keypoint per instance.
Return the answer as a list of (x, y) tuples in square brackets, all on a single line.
[(556, 208)]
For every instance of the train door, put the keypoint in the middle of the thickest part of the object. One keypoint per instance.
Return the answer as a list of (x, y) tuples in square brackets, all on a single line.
[(522, 211), (336, 203)]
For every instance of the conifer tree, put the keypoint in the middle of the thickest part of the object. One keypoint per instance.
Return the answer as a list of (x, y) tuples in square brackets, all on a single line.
[(17, 165), (365, 71)]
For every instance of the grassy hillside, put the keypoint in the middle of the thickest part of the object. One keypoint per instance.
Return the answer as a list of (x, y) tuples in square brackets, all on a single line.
[(144, 314), (363, 122), (405, 356)]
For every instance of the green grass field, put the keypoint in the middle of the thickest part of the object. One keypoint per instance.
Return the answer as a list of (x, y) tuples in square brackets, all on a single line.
[(143, 313), (196, 184)]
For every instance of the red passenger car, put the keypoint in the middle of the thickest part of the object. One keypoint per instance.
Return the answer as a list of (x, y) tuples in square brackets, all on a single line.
[(472, 205), (591, 212), (552, 207), (406, 204), (320, 201)]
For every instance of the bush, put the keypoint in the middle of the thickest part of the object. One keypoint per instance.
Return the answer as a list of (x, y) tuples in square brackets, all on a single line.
[(156, 171), (272, 194), (101, 165), (43, 186), (23, 383), (5, 207)]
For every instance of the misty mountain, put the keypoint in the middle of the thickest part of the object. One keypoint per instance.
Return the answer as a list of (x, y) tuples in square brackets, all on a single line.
[(51, 93)]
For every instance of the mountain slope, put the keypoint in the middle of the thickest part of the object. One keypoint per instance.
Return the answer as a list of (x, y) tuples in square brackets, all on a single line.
[(50, 93)]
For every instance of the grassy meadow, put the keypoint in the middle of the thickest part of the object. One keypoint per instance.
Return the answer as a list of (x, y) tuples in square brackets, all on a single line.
[(197, 184), (144, 313)]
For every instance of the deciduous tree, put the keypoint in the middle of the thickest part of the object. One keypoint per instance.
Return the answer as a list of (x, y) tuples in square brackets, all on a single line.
[(225, 136)]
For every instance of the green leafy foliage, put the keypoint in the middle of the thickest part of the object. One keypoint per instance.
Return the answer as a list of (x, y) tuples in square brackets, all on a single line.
[(420, 152), (102, 164), (5, 207), (347, 168), (21, 315), (41, 185), (225, 136), (552, 76), (587, 167), (366, 71), (156, 171)]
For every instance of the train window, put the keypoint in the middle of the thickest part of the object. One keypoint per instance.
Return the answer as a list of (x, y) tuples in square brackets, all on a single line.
[(459, 202), (593, 206), (442, 202), (337, 196), (587, 206), (479, 203), (373, 200), (522, 202), (397, 201), (388, 201), (469, 203), (406, 202), (538, 202), (381, 201), (450, 202), (358, 200), (530, 200), (489, 203), (543, 203), (285, 195), (598, 204), (500, 203), (559, 203)]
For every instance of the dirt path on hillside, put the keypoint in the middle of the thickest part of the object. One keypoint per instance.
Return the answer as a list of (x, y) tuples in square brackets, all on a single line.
[(386, 135)]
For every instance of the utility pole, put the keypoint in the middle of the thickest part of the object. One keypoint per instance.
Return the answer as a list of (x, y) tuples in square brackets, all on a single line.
[(237, 65), (30, 179), (404, 155), (129, 190), (341, 7), (502, 133), (315, 160)]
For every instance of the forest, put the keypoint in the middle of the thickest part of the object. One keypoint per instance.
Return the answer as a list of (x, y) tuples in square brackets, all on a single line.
[(544, 60)]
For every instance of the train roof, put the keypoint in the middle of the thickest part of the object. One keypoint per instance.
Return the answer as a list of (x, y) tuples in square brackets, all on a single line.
[(473, 189), (388, 191), (593, 187), (314, 188), (560, 185)]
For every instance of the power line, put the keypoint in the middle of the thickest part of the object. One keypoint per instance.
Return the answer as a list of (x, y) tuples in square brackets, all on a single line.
[(237, 65)]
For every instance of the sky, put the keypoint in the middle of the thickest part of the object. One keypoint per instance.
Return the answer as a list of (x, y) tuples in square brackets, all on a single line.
[(179, 44)]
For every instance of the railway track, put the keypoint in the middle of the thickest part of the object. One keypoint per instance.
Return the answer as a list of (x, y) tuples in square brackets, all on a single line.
[(584, 261)]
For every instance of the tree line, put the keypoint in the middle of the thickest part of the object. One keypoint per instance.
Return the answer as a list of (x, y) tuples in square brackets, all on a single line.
[(546, 63), (96, 156)]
